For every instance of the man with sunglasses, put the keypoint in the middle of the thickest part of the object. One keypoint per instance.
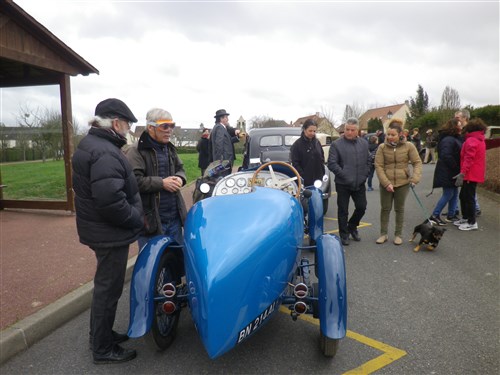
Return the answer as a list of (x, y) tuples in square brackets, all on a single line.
[(160, 175), (109, 218), (222, 139)]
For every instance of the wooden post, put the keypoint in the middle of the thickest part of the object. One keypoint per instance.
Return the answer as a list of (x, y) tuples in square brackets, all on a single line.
[(67, 128)]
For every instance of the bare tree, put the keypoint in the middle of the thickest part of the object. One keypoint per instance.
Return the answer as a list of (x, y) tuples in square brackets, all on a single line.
[(260, 121), (354, 110), (450, 99)]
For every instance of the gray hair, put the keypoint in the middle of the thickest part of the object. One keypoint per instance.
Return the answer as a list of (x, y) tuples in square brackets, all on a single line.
[(100, 122), (465, 113), (156, 114), (352, 121)]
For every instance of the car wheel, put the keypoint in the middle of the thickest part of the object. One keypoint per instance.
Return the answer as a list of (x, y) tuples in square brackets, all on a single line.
[(328, 346), (164, 326)]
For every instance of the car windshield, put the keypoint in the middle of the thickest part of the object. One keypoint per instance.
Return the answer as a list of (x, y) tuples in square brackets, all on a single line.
[(271, 140)]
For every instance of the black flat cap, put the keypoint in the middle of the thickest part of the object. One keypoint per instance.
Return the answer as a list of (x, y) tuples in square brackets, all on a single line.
[(112, 107)]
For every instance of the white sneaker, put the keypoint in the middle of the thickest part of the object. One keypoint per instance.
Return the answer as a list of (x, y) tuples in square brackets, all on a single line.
[(460, 222), (468, 226)]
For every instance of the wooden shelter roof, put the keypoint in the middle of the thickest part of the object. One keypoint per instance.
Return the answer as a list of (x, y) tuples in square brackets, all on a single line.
[(30, 54)]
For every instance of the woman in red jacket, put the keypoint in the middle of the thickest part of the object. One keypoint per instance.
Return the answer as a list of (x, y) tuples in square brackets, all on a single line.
[(472, 171)]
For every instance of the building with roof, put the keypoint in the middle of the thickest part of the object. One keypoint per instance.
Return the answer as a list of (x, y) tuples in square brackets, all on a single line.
[(385, 114), (324, 124)]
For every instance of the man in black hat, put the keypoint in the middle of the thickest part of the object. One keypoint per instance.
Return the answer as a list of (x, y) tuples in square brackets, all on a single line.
[(109, 217), (222, 138)]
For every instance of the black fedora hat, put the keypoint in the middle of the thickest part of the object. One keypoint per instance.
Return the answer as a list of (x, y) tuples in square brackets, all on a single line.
[(112, 107), (220, 113)]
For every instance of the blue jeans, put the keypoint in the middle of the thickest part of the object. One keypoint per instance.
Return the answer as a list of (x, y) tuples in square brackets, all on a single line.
[(450, 196), (370, 176), (172, 229)]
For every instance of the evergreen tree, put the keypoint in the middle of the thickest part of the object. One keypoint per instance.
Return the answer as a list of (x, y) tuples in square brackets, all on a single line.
[(419, 106)]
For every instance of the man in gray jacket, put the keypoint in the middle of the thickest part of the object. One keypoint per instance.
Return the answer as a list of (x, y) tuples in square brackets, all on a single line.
[(222, 138), (348, 159)]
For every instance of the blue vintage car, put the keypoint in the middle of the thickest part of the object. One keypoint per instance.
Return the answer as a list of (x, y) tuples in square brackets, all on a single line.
[(240, 261)]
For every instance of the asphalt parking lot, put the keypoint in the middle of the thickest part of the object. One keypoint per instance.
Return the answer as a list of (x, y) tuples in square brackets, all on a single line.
[(408, 313)]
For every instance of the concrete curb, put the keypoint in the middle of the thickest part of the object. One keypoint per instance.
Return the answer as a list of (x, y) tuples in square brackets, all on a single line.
[(23, 334)]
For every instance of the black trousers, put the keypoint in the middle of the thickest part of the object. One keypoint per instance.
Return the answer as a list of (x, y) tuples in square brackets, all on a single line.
[(108, 286), (344, 193), (468, 201)]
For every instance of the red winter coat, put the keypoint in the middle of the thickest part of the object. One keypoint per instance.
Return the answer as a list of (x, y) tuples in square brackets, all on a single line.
[(473, 157)]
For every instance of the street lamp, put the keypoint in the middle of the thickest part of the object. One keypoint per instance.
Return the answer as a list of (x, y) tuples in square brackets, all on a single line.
[(389, 115)]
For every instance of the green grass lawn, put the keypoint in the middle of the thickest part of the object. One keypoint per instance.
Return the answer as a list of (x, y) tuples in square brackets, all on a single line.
[(39, 181)]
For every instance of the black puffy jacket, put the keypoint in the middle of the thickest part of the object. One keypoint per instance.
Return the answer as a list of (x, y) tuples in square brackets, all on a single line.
[(107, 201), (448, 164)]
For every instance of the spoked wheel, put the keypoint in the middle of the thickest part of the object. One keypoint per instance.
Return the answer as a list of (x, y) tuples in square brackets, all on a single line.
[(328, 346), (164, 326)]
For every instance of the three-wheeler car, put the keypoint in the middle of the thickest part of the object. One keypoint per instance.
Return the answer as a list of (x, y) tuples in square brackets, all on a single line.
[(242, 258)]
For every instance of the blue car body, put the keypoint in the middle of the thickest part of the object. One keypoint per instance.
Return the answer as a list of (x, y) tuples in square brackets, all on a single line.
[(241, 254)]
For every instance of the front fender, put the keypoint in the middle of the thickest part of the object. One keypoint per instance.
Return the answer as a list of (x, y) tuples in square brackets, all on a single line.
[(142, 285), (315, 215), (332, 287)]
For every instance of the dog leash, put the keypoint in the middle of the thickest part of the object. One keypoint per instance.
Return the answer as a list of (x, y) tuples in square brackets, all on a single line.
[(420, 204)]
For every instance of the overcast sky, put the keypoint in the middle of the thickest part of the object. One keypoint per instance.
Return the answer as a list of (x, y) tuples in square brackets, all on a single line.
[(282, 59)]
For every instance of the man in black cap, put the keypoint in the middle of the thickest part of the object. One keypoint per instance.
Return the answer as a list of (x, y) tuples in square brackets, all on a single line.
[(222, 138), (109, 218)]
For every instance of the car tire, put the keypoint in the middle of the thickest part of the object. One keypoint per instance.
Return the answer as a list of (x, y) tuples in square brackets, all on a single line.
[(328, 346), (164, 327)]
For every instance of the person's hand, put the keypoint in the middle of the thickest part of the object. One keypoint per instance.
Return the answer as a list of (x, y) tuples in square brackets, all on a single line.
[(413, 184), (172, 183), (459, 179), (390, 188)]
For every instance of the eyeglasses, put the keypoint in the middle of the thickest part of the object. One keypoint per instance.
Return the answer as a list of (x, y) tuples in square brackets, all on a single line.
[(162, 124), (165, 126), (129, 123)]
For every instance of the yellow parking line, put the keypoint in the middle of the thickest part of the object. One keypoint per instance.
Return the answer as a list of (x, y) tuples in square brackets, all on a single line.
[(390, 353), (361, 225)]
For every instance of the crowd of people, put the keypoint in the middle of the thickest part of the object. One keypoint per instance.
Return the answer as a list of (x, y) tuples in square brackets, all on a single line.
[(123, 197)]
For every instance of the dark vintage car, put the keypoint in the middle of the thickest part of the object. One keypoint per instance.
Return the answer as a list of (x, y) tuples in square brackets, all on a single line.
[(273, 144)]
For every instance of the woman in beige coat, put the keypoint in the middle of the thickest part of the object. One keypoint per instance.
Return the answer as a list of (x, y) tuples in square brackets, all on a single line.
[(392, 162)]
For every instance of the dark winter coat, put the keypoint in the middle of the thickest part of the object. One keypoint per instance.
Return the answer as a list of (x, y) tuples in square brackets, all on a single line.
[(107, 201), (308, 159), (222, 140), (349, 160), (144, 161), (203, 148), (448, 164)]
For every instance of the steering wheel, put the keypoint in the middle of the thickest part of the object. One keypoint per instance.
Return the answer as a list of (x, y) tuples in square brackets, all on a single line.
[(276, 182)]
